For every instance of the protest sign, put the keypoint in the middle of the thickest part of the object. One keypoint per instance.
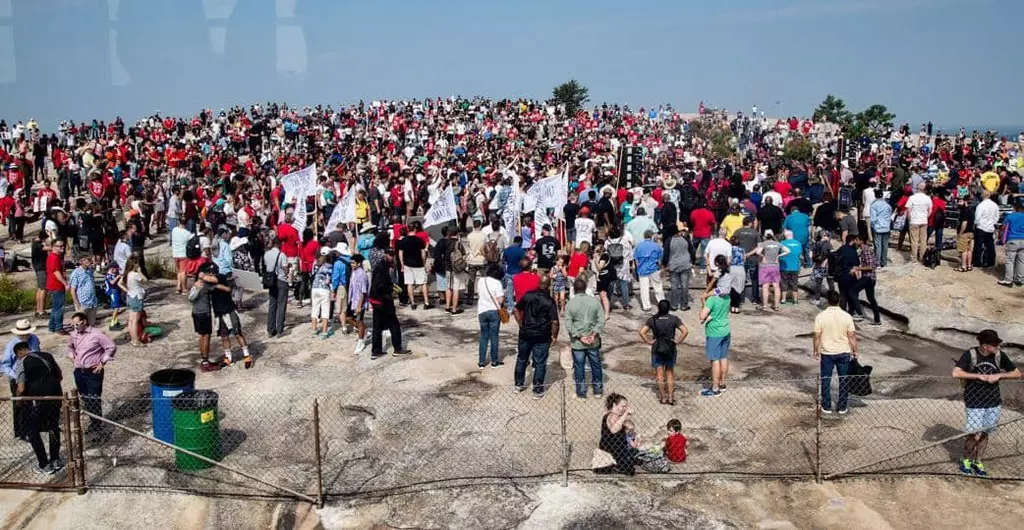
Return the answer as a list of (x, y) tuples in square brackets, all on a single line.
[(345, 211), (512, 207), (443, 209), (301, 183)]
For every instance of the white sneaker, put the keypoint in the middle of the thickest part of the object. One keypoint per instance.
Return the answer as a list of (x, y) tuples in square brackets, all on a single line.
[(360, 346)]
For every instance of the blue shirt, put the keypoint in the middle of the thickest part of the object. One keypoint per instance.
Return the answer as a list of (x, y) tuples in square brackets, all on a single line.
[(339, 274), (511, 257), (224, 259), (648, 256), (1014, 223), (800, 224), (81, 281), (881, 216), (791, 262), (8, 360)]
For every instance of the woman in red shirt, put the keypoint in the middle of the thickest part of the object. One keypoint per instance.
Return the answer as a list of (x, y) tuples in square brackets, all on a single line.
[(578, 262), (308, 252)]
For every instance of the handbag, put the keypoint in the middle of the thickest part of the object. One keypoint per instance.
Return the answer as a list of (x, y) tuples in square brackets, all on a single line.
[(502, 312), (900, 222), (859, 378), (270, 277)]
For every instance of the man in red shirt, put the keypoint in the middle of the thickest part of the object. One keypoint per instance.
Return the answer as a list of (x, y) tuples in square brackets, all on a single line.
[(702, 224), (289, 238), (57, 286), (525, 281)]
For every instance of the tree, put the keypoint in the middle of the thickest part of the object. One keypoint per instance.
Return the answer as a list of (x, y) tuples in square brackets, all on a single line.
[(833, 110), (799, 149), (721, 142), (571, 94), (871, 122)]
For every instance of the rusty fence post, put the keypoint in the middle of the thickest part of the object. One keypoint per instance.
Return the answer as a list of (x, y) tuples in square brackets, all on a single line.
[(319, 457), (565, 441), (76, 447)]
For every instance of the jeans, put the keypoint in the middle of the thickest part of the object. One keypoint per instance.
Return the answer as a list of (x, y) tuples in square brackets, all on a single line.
[(57, 311), (510, 295), (646, 282), (751, 268), (938, 239), (277, 307), (580, 358), (35, 439), (1014, 261), (984, 249), (805, 254), (489, 326), (841, 362), (867, 286), (680, 281), (173, 223), (90, 387), (384, 317), (881, 247), (537, 351), (624, 290), (698, 247)]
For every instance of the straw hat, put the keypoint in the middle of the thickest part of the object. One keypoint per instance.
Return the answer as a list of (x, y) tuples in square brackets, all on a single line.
[(23, 327)]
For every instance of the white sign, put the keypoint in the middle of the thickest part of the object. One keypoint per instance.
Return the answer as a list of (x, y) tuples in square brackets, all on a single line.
[(345, 211), (512, 208), (443, 209), (551, 192), (299, 217), (301, 183)]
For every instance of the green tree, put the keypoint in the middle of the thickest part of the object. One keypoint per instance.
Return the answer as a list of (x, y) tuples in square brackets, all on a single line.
[(871, 122), (721, 141), (833, 110), (799, 149), (572, 94)]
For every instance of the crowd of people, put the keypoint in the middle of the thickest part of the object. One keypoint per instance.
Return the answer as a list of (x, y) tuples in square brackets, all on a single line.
[(743, 225)]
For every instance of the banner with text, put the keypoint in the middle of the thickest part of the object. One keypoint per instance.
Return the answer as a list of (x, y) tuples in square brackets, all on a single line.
[(443, 209), (345, 211)]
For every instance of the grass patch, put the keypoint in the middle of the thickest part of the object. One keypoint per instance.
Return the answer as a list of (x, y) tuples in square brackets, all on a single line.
[(14, 300)]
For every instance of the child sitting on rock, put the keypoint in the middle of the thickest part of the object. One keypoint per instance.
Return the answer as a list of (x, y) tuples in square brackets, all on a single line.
[(675, 442)]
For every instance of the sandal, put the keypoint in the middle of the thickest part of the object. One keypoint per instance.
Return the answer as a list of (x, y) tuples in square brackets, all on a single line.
[(969, 269), (672, 402), (959, 269), (775, 308)]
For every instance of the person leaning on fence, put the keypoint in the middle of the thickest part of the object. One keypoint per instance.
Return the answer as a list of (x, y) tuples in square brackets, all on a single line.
[(23, 332), (37, 374), (835, 344), (980, 369)]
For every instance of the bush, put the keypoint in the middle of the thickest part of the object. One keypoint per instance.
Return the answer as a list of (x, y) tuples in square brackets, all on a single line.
[(13, 299), (798, 149), (161, 268)]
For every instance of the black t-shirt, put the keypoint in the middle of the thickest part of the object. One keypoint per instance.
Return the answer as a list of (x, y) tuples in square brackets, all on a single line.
[(539, 314), (441, 255), (38, 256), (979, 394), (967, 214), (547, 250), (663, 328), (605, 208), (412, 248), (848, 258), (221, 300), (570, 210), (771, 217), (42, 375), (606, 275)]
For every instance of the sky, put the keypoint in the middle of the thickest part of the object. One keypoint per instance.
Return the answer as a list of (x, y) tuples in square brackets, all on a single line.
[(952, 62)]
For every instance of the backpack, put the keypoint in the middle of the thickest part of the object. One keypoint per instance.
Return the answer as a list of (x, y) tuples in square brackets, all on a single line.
[(835, 264), (845, 198), (973, 353), (616, 252), (931, 258), (82, 233), (193, 249), (458, 257), (663, 347), (491, 253)]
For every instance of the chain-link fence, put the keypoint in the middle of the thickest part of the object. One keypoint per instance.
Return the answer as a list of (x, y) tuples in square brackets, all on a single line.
[(21, 466), (383, 439)]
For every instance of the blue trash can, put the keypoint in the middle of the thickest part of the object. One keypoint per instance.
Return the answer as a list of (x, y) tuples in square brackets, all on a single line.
[(164, 385)]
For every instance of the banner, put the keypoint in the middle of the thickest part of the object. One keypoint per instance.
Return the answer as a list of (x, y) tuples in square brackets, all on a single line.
[(299, 217), (551, 192), (512, 207), (443, 209), (301, 183), (345, 211)]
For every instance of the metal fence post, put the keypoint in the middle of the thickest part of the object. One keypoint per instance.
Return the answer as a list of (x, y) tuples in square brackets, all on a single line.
[(565, 441), (76, 445), (817, 431), (319, 460)]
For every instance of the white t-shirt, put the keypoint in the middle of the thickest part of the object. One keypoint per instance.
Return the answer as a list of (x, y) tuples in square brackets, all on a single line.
[(919, 206), (717, 247), (584, 230), (490, 294), (134, 285)]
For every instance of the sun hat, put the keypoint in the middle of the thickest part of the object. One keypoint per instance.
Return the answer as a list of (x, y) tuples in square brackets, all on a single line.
[(22, 327)]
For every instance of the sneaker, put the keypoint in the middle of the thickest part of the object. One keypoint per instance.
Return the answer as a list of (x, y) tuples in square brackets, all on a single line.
[(207, 366), (1004, 283), (842, 411), (225, 362), (581, 398), (721, 388), (858, 318), (826, 411), (874, 323), (685, 308), (428, 306), (248, 362), (598, 396), (406, 351), (316, 332), (377, 355), (966, 466), (538, 396), (707, 392), (57, 465), (979, 469), (329, 334), (519, 389), (360, 346), (44, 470), (498, 364), (458, 311), (413, 307), (481, 366)]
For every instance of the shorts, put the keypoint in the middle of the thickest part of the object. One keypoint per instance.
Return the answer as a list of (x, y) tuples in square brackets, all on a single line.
[(181, 264), (320, 303), (203, 324), (456, 281), (768, 274), (717, 348), (341, 301), (442, 282), (134, 304), (228, 325), (668, 361), (986, 419), (115, 300), (415, 276), (41, 279), (790, 280), (965, 242)]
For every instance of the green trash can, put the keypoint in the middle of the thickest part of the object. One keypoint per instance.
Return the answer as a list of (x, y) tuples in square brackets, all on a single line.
[(196, 428)]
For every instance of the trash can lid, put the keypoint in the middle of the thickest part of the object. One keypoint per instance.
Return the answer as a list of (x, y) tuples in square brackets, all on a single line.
[(173, 377), (195, 400)]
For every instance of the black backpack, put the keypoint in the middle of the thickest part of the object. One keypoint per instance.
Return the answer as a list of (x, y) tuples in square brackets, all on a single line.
[(931, 258), (193, 249), (835, 264)]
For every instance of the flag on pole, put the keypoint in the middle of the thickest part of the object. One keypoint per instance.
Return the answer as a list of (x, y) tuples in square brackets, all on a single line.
[(443, 209)]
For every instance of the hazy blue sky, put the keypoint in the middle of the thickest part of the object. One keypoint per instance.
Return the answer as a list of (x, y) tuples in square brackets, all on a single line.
[(951, 61)]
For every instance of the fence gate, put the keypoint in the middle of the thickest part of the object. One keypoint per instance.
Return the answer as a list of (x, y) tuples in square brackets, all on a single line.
[(18, 463)]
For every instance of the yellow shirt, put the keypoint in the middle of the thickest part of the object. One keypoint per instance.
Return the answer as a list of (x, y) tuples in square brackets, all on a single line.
[(732, 223), (362, 211), (833, 324), (990, 181)]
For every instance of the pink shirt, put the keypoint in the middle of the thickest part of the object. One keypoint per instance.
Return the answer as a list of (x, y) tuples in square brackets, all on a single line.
[(90, 348)]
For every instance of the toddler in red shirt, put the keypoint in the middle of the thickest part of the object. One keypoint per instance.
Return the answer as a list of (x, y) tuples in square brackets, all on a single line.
[(675, 442)]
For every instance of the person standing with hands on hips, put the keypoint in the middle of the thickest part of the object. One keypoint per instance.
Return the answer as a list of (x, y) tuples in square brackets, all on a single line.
[(90, 350)]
